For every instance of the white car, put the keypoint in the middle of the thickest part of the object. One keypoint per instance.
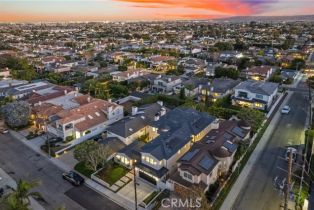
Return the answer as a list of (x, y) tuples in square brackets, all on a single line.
[(285, 110), (293, 151)]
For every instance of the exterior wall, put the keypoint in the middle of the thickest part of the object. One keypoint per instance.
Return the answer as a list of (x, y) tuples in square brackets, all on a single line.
[(146, 157), (123, 160), (170, 164), (130, 139), (195, 179), (115, 114)]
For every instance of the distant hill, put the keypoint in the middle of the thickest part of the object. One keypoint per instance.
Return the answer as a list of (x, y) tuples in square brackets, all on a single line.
[(268, 18)]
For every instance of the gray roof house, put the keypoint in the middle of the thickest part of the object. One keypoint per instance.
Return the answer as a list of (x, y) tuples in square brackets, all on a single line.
[(132, 127), (219, 88), (177, 130), (255, 94)]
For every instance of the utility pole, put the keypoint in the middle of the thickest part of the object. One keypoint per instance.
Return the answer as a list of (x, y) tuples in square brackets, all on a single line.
[(135, 191), (288, 181)]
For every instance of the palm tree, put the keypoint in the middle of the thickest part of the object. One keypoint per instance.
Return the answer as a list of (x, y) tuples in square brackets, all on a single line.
[(19, 199)]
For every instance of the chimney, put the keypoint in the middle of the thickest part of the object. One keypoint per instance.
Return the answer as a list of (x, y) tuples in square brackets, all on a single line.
[(39, 103), (161, 103), (109, 110), (65, 92), (162, 111), (88, 99), (156, 118), (109, 100), (134, 110)]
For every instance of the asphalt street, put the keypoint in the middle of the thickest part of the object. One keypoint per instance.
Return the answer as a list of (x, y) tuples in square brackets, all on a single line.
[(21, 162), (258, 193)]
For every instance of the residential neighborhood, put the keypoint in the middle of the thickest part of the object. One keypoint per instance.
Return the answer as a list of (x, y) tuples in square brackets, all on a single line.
[(131, 115)]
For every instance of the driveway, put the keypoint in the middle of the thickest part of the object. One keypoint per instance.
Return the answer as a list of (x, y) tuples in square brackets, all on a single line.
[(143, 190)]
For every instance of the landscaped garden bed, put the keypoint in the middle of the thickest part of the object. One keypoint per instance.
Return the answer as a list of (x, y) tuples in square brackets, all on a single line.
[(150, 197), (112, 173)]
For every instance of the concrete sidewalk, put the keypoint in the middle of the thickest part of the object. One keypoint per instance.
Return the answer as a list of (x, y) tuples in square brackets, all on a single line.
[(236, 189)]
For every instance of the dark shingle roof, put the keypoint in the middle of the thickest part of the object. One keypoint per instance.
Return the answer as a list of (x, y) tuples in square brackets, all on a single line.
[(132, 124), (176, 129), (259, 87)]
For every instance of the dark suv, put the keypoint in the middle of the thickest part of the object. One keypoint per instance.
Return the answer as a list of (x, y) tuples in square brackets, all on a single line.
[(73, 178)]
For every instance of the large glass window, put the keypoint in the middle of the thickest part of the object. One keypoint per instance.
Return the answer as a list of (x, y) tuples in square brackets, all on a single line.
[(242, 94), (188, 176), (68, 126)]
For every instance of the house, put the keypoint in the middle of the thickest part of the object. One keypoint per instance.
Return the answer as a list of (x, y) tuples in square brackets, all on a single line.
[(137, 124), (209, 158), (194, 65), (91, 118), (40, 96), (262, 73), (226, 55), (26, 90), (127, 75), (160, 63), (166, 84), (193, 86), (5, 73), (43, 114), (177, 131), (255, 94), (288, 74), (218, 88), (7, 84)]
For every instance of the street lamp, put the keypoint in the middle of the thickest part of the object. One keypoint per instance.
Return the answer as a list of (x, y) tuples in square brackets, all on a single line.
[(135, 192)]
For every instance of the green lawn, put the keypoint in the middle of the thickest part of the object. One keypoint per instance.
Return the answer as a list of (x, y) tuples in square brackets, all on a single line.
[(80, 167), (112, 173)]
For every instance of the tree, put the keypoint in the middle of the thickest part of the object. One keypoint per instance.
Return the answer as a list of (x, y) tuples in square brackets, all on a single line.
[(19, 199), (122, 68), (182, 93), (227, 72), (224, 46), (297, 63), (92, 154), (253, 117), (16, 114), (20, 69)]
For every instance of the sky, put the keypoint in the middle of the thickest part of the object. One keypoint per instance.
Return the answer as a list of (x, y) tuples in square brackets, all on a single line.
[(110, 10)]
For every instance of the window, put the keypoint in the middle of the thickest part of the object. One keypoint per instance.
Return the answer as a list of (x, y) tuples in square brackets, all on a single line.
[(188, 176), (68, 126), (242, 94), (259, 96)]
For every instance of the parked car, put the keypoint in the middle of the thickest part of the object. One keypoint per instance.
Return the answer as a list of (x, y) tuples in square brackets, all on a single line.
[(294, 153), (73, 178), (285, 110), (4, 130)]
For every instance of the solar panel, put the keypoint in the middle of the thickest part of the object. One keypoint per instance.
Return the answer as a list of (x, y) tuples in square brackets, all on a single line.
[(188, 156), (231, 147), (206, 163), (238, 131)]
